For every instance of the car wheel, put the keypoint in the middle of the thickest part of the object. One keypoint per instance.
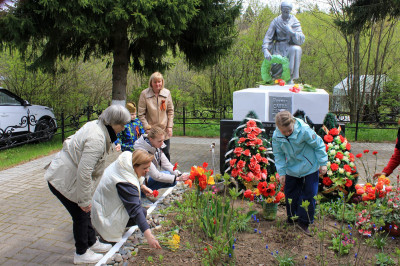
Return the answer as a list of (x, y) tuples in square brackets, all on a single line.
[(44, 130)]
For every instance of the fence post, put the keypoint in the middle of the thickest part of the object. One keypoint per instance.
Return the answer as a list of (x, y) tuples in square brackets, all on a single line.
[(184, 121), (62, 127), (88, 111)]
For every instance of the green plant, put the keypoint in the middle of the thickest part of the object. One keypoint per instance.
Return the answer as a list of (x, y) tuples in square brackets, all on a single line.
[(150, 259), (285, 259), (160, 258), (342, 243), (383, 259)]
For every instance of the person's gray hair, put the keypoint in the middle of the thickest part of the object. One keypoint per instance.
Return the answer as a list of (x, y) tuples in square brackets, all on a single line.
[(286, 4), (115, 115)]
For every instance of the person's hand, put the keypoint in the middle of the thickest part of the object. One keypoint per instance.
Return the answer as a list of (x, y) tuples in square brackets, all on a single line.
[(282, 179), (151, 240), (87, 208), (379, 174), (147, 191), (169, 131), (118, 147), (267, 55), (182, 177), (323, 169)]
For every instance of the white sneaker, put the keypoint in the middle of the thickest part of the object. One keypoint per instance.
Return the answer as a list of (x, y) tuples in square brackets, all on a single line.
[(101, 247), (88, 257)]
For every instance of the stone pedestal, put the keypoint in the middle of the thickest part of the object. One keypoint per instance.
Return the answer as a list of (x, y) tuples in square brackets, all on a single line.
[(267, 101)]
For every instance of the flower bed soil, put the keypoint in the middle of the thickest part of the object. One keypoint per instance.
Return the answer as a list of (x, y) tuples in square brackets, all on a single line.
[(250, 246)]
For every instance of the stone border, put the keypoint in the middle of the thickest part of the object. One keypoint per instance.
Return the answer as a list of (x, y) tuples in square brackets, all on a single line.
[(131, 230)]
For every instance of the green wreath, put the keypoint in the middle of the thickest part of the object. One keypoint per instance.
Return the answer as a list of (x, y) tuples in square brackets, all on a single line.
[(266, 68)]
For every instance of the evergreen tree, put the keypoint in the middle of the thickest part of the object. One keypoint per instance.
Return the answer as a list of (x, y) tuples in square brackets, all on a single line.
[(136, 33)]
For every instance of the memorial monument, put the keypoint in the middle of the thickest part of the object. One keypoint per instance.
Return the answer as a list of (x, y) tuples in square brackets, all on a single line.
[(282, 53), (284, 37)]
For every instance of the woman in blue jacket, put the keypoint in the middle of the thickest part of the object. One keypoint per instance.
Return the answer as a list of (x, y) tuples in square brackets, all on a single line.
[(299, 158)]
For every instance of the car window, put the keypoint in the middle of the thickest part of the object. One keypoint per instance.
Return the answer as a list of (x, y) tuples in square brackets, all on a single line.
[(8, 100)]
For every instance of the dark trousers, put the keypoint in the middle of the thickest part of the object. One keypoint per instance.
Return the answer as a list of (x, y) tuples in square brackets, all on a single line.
[(300, 189), (84, 234), (166, 149)]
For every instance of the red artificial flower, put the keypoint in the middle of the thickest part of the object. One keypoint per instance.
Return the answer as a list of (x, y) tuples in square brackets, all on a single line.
[(247, 130), (374, 152), (388, 188), (262, 187), (334, 131), (251, 123), (241, 140), (205, 165), (247, 152), (281, 82), (328, 138), (348, 146), (155, 193), (366, 151), (327, 181), (339, 155), (175, 166), (251, 136), (349, 182), (235, 172), (262, 148), (241, 164), (238, 151), (342, 139), (232, 162), (326, 147), (334, 167), (351, 157), (359, 155), (347, 168), (279, 196)]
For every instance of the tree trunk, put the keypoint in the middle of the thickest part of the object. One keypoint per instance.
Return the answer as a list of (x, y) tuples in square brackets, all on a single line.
[(120, 64)]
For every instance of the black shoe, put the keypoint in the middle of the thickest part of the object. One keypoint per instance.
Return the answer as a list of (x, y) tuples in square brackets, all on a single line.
[(304, 228)]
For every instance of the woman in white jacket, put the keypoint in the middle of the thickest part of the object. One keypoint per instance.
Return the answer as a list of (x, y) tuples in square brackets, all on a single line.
[(74, 172), (161, 174), (116, 202)]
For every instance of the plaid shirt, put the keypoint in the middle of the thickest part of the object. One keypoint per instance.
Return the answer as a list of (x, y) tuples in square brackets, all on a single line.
[(130, 134)]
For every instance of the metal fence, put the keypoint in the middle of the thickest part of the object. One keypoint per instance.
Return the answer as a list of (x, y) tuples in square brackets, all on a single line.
[(23, 133), (12, 136)]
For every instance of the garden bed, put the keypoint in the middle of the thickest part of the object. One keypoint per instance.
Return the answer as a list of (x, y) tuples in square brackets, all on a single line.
[(263, 243)]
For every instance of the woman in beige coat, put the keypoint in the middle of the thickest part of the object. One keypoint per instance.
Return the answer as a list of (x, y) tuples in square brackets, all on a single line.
[(156, 108), (75, 171)]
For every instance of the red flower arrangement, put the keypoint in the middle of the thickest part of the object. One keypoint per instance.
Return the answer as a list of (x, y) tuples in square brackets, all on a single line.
[(369, 192), (270, 192), (341, 174), (250, 161), (175, 166)]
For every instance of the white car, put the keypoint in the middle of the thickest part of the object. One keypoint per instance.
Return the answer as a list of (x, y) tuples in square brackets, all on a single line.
[(18, 116)]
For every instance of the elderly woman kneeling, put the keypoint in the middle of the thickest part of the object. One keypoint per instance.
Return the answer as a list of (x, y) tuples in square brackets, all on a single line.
[(116, 202)]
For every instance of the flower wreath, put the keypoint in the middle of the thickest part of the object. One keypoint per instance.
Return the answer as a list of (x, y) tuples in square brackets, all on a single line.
[(275, 59)]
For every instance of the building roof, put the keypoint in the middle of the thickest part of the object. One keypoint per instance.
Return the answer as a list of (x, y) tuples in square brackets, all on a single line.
[(341, 87)]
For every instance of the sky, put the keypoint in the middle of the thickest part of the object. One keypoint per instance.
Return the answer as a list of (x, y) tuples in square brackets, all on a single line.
[(303, 4)]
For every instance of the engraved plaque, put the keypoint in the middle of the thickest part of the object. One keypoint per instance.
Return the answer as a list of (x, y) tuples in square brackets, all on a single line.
[(277, 104)]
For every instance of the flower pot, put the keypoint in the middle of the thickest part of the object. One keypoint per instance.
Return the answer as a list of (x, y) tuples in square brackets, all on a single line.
[(392, 229), (269, 211)]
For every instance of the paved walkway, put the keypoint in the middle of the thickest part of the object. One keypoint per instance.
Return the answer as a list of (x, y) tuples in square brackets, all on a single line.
[(35, 229)]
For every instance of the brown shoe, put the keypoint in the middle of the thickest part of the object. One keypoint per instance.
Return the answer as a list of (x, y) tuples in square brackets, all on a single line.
[(304, 227)]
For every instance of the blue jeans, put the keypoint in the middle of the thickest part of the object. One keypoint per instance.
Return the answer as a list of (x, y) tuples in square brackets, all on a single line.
[(300, 189), (154, 185)]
